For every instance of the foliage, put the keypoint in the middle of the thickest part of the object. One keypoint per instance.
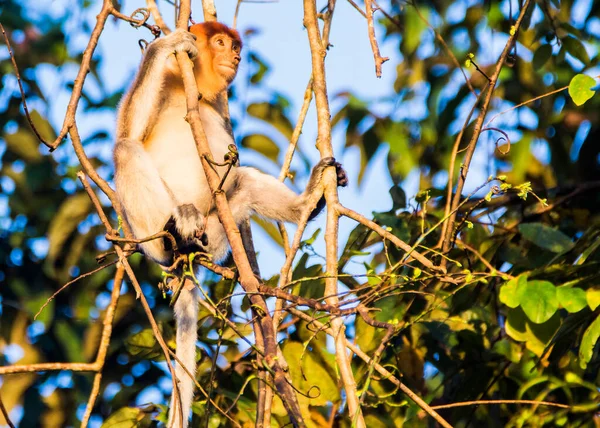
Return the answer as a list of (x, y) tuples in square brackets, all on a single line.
[(519, 320)]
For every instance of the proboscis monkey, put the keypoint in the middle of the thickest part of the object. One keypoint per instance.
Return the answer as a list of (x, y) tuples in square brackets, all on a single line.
[(159, 178)]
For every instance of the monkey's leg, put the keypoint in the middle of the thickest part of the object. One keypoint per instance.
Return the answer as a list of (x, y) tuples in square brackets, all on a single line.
[(268, 197), (143, 195)]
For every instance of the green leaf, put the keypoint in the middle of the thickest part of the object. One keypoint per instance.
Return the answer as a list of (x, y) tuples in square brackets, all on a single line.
[(261, 144), (512, 291), (269, 228), (413, 27), (571, 298), (402, 159), (125, 417), (143, 345), (539, 301), (69, 337), (576, 49), (590, 337), (72, 211), (541, 56), (544, 236), (580, 88), (273, 115), (24, 144), (593, 298)]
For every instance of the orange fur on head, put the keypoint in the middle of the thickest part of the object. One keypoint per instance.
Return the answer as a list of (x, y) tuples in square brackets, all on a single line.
[(210, 82), (208, 29)]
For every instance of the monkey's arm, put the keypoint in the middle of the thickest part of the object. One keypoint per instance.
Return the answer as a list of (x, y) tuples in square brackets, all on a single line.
[(140, 106)]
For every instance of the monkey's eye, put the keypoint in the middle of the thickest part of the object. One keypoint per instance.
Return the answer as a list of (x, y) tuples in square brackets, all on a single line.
[(220, 42), (236, 48)]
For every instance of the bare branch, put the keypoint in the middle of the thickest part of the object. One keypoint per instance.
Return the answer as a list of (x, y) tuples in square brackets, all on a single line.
[(318, 49), (104, 342), (379, 60), (153, 8)]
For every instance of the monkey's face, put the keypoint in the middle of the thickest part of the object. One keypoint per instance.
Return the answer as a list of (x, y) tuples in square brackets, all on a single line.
[(225, 53)]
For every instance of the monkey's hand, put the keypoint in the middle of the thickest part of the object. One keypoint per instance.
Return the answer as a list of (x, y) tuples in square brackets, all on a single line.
[(179, 41), (317, 172)]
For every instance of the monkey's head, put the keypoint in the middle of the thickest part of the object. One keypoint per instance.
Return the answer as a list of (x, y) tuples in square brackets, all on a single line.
[(219, 56)]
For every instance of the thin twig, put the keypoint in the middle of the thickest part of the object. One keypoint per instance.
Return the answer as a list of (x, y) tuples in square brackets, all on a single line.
[(449, 52), (236, 13), (5, 414), (387, 15), (452, 165), (483, 260), (525, 103), (478, 127), (23, 98), (45, 367), (492, 402), (357, 7), (139, 22), (84, 275)]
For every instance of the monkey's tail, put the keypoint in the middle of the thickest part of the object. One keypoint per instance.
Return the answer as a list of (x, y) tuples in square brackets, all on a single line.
[(186, 318)]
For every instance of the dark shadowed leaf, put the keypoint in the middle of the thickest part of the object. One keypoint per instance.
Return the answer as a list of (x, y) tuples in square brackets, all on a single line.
[(261, 69), (261, 144), (71, 212), (273, 115), (576, 49), (546, 237), (143, 345), (541, 56)]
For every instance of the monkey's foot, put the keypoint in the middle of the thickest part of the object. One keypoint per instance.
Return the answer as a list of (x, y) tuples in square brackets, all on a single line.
[(187, 227), (342, 178)]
